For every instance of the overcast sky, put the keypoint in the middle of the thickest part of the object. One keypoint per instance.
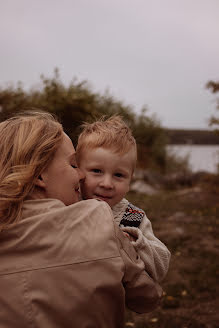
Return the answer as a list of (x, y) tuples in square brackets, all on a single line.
[(158, 53)]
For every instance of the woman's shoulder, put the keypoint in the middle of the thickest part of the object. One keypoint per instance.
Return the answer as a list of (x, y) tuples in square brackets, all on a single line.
[(54, 211)]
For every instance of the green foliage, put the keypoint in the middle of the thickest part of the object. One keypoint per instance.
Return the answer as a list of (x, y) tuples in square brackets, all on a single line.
[(214, 87), (176, 164), (151, 140), (76, 103)]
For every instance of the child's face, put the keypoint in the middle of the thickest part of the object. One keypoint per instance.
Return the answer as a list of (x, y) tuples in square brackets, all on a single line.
[(107, 175)]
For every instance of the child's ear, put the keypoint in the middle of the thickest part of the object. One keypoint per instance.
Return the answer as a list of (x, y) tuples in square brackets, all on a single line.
[(40, 182)]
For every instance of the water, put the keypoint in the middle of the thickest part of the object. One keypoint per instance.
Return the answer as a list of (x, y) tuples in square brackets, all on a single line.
[(201, 157)]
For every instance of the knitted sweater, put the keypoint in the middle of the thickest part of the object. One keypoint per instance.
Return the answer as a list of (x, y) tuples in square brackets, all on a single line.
[(152, 251)]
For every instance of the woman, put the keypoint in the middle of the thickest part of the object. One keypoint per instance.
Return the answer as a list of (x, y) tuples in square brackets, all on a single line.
[(63, 263)]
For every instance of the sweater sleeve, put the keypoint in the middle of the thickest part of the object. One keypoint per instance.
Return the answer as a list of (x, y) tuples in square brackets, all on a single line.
[(142, 293), (151, 250)]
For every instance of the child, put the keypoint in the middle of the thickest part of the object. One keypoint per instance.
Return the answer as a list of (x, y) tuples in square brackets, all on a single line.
[(107, 154)]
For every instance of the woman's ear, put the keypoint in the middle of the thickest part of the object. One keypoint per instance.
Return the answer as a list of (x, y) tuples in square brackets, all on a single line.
[(40, 182)]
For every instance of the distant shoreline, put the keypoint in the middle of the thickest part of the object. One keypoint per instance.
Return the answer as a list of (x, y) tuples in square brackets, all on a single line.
[(192, 137)]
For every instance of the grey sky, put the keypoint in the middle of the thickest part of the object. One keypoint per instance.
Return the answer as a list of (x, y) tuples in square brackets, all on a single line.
[(158, 53)]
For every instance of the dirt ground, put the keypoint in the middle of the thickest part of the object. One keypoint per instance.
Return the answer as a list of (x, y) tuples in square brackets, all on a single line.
[(187, 221)]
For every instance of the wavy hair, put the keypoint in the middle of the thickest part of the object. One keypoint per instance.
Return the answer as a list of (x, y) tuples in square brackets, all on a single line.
[(28, 142)]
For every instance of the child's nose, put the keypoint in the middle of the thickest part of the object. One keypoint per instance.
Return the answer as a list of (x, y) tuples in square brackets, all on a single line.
[(106, 182)]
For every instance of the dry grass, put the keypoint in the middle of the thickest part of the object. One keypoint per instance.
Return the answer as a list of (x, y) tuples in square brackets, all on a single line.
[(187, 221)]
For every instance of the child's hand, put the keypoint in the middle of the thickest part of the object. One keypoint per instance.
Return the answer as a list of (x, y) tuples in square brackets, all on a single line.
[(130, 237)]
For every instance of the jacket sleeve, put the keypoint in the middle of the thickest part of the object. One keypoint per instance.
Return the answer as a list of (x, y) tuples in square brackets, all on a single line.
[(152, 251), (142, 293)]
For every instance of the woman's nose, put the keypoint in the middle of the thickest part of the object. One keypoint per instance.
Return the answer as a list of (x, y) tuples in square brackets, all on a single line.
[(81, 174)]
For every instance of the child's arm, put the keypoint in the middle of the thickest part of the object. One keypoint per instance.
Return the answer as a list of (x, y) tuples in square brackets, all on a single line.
[(152, 251), (142, 293)]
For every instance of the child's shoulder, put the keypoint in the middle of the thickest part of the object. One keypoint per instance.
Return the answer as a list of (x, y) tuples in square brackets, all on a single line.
[(132, 216)]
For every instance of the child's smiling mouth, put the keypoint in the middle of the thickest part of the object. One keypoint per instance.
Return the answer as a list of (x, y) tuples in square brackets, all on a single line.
[(103, 197)]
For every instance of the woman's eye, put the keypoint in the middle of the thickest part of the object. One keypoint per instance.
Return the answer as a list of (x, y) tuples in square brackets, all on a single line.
[(74, 166)]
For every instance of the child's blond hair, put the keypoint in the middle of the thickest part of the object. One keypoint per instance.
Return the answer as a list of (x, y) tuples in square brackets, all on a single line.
[(110, 133)]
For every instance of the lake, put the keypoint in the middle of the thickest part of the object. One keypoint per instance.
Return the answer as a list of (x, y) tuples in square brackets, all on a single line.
[(201, 157)]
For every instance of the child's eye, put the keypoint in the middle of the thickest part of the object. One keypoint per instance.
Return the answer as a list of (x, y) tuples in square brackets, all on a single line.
[(96, 170), (119, 175), (74, 166)]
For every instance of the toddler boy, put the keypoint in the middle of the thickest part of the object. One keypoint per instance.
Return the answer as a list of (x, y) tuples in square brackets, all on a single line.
[(107, 154)]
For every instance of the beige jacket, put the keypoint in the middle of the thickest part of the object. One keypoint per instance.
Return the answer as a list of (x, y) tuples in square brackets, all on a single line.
[(151, 250), (70, 266)]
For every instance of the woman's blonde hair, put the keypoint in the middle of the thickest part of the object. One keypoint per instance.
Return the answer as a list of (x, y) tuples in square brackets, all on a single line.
[(28, 142), (111, 133)]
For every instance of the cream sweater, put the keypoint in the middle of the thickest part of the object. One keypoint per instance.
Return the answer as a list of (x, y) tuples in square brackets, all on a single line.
[(151, 250)]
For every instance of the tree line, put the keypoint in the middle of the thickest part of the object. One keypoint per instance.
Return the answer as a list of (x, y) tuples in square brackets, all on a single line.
[(194, 137), (77, 103), (214, 88)]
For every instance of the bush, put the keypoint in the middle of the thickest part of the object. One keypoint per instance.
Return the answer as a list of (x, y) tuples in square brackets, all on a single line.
[(76, 103)]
